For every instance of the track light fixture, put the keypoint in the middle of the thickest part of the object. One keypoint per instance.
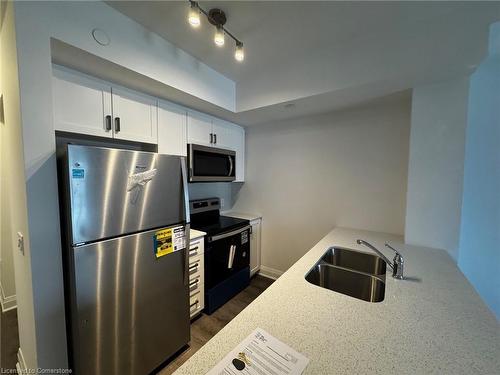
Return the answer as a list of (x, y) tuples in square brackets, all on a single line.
[(217, 18)]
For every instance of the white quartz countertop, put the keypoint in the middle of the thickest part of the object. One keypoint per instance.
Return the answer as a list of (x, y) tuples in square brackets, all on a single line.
[(193, 233), (433, 323), (242, 215)]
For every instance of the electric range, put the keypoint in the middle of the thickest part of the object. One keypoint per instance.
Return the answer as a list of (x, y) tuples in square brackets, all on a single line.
[(227, 251)]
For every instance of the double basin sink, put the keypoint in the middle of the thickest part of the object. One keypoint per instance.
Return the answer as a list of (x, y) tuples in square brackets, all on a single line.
[(350, 272)]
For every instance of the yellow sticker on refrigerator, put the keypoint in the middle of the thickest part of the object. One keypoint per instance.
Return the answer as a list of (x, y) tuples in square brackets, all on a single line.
[(168, 240), (163, 242)]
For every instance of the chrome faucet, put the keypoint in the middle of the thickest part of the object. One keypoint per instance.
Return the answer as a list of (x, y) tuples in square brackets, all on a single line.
[(397, 265)]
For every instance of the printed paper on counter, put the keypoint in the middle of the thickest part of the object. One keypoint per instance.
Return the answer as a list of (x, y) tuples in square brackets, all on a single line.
[(261, 354)]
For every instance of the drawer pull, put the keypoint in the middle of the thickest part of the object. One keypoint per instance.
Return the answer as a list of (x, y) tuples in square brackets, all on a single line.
[(193, 268), (194, 285), (193, 251), (195, 303)]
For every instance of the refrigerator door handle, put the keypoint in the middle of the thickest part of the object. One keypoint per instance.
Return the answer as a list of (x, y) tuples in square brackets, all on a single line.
[(187, 219)]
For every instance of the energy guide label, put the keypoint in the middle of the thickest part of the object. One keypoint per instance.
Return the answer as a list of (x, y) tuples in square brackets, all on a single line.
[(168, 240)]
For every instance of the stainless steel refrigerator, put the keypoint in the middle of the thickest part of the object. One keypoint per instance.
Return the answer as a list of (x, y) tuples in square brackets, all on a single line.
[(125, 230)]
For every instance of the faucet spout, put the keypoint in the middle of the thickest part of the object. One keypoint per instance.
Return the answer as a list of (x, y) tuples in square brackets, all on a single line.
[(398, 261), (369, 245)]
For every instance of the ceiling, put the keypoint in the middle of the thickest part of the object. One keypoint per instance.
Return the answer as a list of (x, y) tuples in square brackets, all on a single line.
[(301, 50)]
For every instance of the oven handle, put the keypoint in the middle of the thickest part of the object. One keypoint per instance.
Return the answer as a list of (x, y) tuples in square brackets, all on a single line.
[(229, 234), (232, 251)]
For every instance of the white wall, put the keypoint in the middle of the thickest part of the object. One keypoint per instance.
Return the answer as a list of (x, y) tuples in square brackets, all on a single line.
[(222, 190), (305, 176), (435, 172), (133, 47), (7, 284), (14, 215), (479, 257)]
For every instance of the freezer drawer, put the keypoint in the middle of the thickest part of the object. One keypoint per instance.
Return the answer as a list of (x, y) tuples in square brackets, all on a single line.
[(115, 192), (130, 308)]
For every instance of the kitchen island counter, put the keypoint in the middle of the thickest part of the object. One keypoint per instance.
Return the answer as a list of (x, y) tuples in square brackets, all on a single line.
[(432, 323)]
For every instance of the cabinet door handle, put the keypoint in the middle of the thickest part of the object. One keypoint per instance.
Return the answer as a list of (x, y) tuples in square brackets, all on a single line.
[(117, 124), (108, 123), (215, 138), (211, 138)]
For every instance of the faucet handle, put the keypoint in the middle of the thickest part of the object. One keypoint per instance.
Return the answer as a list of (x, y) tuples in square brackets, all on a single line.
[(398, 266), (393, 249)]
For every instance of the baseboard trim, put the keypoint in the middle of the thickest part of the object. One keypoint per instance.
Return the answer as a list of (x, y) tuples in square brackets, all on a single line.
[(7, 302), (21, 363), (270, 273)]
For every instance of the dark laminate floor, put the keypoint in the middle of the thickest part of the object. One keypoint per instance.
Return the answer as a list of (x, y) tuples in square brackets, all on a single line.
[(203, 328), (9, 339), (206, 326)]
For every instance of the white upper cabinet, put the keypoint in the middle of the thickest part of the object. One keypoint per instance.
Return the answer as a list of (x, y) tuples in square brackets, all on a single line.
[(224, 136), (199, 128), (172, 129), (135, 116), (81, 104), (87, 105)]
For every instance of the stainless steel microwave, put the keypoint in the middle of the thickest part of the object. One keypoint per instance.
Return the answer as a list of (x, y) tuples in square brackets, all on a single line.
[(210, 164)]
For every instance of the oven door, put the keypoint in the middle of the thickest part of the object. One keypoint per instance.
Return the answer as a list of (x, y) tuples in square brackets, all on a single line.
[(210, 164), (225, 255)]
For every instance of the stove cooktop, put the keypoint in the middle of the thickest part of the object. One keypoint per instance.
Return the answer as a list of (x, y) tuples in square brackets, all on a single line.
[(219, 225)]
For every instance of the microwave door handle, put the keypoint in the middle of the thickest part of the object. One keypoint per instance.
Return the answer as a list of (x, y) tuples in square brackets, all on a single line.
[(230, 165)]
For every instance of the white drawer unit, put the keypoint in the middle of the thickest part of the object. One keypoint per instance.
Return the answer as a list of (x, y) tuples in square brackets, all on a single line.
[(196, 273), (255, 246), (196, 303)]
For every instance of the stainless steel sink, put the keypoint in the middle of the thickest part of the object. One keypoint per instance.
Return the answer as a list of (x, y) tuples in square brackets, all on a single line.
[(355, 260), (350, 272)]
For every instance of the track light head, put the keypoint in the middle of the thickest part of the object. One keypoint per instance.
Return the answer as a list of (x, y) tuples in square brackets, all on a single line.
[(239, 54), (194, 14), (219, 36)]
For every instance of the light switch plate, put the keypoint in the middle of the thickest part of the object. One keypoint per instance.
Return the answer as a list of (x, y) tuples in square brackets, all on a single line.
[(20, 242), (222, 203)]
